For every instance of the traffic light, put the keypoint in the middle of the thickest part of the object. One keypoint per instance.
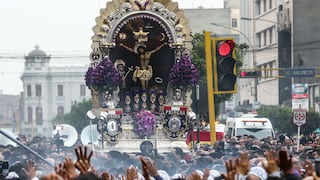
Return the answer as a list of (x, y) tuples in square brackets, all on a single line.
[(224, 70), (250, 73)]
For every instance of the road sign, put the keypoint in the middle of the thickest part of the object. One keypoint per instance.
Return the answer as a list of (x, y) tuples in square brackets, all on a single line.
[(299, 116), (299, 72)]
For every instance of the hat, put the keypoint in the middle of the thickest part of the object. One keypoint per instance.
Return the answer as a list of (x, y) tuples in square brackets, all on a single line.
[(199, 172), (258, 171), (213, 173), (177, 176), (163, 174), (12, 175)]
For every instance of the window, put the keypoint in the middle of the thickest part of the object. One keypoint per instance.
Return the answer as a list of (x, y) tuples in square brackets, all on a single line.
[(258, 7), (29, 115), (82, 90), (234, 23), (270, 4), (271, 35), (39, 116), (271, 67), (60, 111), (264, 5), (259, 40), (60, 90), (38, 90), (265, 38), (29, 90)]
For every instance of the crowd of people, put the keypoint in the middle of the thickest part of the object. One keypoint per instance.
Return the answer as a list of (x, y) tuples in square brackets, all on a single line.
[(234, 158)]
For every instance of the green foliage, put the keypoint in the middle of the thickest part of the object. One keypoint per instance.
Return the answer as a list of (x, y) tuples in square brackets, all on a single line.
[(198, 56), (198, 59), (281, 118), (77, 116), (312, 123)]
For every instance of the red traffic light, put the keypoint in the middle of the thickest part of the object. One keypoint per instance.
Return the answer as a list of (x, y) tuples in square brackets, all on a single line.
[(225, 47), (243, 73), (250, 74)]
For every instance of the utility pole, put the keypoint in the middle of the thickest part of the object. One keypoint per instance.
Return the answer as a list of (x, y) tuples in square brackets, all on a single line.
[(211, 108)]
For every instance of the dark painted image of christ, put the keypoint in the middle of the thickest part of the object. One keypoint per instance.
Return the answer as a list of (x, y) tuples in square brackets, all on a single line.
[(144, 72)]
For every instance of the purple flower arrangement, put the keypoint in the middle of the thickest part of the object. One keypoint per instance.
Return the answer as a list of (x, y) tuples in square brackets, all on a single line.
[(184, 74), (145, 123), (103, 76)]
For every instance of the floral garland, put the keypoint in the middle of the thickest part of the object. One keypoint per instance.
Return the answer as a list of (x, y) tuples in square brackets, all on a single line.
[(103, 76), (183, 73), (145, 123)]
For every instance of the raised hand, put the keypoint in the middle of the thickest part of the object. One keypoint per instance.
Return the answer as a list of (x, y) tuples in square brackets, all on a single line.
[(149, 168), (271, 166), (30, 169), (62, 172), (194, 176), (308, 166), (132, 173), (242, 163), (106, 176), (206, 174), (83, 163), (231, 170), (69, 168), (53, 176)]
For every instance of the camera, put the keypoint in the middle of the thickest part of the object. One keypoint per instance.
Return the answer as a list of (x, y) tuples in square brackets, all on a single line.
[(3, 166)]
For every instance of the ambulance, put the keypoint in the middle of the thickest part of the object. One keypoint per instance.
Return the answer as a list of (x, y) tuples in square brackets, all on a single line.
[(249, 124)]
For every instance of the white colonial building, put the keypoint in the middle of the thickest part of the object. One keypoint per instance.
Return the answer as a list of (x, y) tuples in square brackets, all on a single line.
[(49, 91)]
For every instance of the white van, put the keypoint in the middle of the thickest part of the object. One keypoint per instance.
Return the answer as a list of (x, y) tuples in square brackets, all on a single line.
[(249, 124)]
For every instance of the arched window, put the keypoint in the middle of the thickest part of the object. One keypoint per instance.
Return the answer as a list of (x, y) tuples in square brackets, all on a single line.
[(29, 115), (60, 111), (39, 119)]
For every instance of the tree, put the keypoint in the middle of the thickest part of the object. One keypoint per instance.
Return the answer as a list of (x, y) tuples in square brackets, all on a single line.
[(281, 118), (198, 59), (77, 115)]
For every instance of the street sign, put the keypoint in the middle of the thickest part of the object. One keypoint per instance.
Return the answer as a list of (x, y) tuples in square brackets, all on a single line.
[(299, 116), (300, 96), (299, 72)]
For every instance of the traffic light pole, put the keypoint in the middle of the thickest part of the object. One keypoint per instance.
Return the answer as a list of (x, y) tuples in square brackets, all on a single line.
[(210, 87)]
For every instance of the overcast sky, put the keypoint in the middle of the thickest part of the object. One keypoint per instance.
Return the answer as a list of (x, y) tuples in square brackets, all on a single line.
[(57, 26)]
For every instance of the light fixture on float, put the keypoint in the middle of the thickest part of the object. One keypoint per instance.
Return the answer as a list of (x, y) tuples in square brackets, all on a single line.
[(101, 123), (90, 115), (103, 115), (90, 135), (192, 116)]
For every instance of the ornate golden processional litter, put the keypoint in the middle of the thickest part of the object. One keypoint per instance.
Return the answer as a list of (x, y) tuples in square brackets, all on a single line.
[(144, 39)]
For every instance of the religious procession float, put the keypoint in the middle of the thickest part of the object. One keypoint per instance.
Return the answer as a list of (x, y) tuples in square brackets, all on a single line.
[(141, 76)]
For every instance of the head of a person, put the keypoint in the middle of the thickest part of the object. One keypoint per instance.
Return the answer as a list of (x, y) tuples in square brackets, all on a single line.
[(178, 152), (141, 49), (257, 173)]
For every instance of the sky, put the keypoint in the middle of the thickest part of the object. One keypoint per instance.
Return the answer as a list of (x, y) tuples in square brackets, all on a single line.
[(58, 27)]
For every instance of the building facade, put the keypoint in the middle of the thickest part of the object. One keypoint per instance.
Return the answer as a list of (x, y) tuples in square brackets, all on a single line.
[(281, 38), (9, 113), (260, 30), (48, 91)]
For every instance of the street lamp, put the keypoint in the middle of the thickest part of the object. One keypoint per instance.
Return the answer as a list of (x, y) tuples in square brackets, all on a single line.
[(266, 20), (255, 83), (244, 35), (250, 19)]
